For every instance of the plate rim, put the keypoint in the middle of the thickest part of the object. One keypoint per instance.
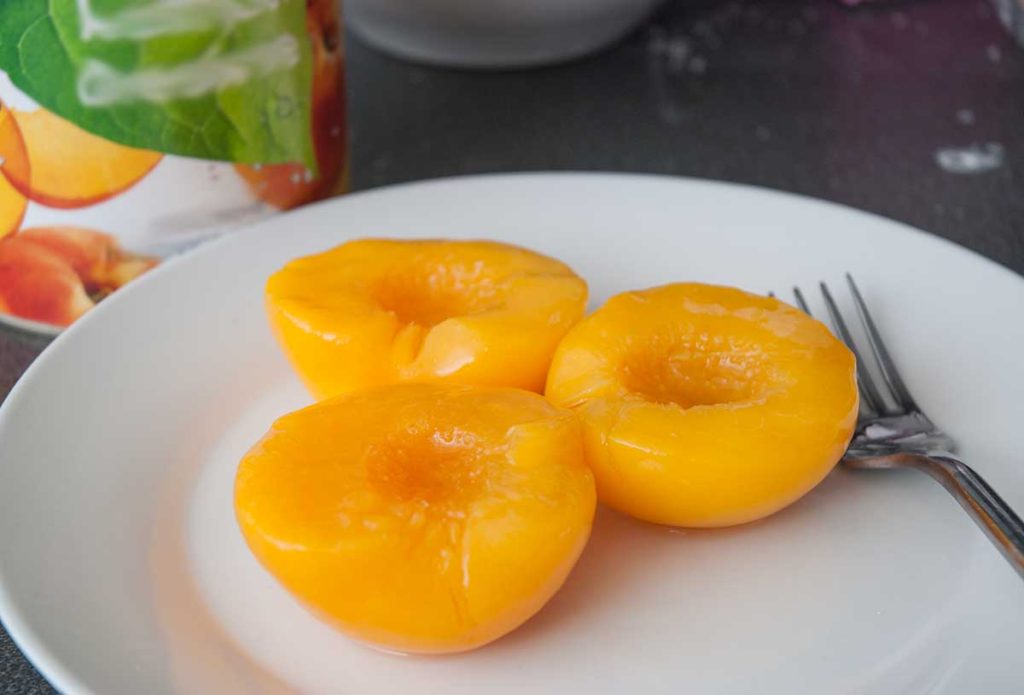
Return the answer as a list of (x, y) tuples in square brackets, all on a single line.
[(32, 646)]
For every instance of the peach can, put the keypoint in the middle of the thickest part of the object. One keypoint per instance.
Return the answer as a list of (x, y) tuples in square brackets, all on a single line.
[(131, 130)]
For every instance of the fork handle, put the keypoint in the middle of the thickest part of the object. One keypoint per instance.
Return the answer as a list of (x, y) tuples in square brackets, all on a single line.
[(994, 516)]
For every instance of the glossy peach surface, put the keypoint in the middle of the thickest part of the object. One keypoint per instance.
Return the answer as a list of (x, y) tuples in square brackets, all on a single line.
[(420, 517), (704, 405), (383, 311)]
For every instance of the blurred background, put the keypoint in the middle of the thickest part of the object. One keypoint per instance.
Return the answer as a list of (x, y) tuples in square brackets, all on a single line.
[(913, 109)]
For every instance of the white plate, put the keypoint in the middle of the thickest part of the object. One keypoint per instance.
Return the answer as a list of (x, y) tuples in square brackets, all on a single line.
[(123, 572)]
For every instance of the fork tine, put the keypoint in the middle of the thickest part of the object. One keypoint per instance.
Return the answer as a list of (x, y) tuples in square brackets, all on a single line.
[(801, 302), (885, 362), (868, 389), (868, 406)]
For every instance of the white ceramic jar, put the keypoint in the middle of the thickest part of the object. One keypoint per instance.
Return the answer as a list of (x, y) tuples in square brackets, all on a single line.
[(493, 33)]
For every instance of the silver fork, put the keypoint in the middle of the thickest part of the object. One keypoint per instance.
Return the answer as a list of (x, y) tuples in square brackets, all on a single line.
[(893, 432)]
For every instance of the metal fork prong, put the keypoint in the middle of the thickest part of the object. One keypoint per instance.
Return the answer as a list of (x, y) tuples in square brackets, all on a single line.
[(801, 302), (872, 397), (892, 377)]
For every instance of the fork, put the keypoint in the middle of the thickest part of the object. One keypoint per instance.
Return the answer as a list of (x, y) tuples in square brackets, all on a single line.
[(893, 432)]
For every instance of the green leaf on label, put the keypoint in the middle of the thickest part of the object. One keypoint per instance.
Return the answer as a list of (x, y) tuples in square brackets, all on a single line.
[(229, 80)]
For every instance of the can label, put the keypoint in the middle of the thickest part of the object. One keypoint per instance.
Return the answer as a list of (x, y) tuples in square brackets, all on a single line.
[(131, 129)]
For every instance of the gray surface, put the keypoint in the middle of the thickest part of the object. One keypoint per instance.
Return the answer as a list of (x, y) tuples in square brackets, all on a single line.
[(804, 96)]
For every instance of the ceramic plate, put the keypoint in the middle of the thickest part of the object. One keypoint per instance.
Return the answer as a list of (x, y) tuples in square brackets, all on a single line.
[(122, 570)]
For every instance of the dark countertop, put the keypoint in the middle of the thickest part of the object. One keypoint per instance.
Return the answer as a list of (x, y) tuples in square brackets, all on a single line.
[(853, 106)]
